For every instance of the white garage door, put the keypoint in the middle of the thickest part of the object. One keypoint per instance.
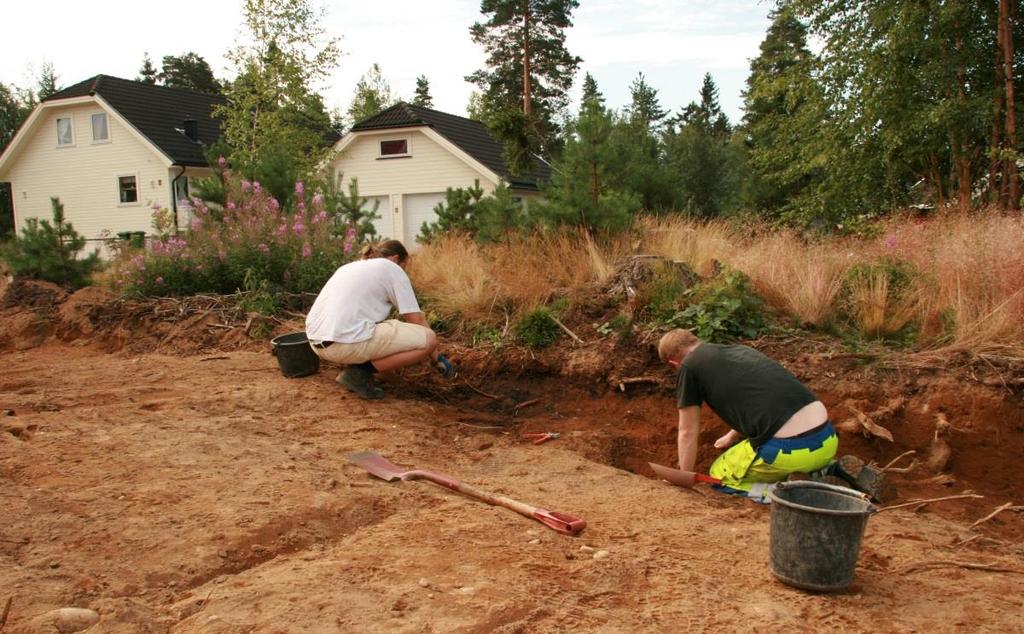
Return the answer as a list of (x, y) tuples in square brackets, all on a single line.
[(385, 224), (417, 209)]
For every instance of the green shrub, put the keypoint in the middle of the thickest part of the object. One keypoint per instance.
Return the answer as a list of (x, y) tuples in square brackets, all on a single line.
[(538, 328), (49, 252), (723, 309)]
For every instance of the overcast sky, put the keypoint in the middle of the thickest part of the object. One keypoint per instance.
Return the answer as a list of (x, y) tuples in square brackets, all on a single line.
[(673, 42)]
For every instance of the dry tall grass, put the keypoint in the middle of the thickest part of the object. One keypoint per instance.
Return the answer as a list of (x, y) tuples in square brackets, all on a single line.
[(967, 288), (974, 276), (800, 279)]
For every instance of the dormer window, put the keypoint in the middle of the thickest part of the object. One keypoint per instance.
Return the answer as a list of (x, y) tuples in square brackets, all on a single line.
[(65, 132), (391, 148)]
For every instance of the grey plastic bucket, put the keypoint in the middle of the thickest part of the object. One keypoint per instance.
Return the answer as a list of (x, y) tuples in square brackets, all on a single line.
[(816, 530), (294, 355)]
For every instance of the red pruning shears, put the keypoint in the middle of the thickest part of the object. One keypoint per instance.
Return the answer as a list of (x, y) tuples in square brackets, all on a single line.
[(540, 438)]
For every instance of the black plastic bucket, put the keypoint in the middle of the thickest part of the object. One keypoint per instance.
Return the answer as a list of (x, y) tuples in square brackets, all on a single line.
[(816, 530), (294, 355)]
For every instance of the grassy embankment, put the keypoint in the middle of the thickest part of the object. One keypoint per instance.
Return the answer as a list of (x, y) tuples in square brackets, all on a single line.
[(948, 282)]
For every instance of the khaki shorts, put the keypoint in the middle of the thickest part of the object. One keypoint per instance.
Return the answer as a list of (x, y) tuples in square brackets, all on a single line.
[(389, 337)]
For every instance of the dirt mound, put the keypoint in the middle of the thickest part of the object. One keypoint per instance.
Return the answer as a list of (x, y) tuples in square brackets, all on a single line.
[(32, 294)]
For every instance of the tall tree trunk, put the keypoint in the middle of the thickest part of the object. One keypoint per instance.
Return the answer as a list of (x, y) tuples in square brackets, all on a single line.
[(961, 157), (527, 99), (996, 185), (1007, 12)]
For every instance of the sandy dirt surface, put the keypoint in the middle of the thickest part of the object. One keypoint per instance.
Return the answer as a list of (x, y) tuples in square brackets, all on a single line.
[(207, 493)]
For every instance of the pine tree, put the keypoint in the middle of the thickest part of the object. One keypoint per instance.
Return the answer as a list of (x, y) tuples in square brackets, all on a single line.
[(372, 95), (528, 75), (49, 251), (582, 191), (147, 74), (189, 71), (422, 96), (700, 158)]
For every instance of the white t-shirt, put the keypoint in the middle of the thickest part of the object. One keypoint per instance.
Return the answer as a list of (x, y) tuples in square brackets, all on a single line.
[(358, 296)]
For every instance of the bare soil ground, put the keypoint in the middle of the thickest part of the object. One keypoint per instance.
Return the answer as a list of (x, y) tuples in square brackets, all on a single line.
[(165, 475)]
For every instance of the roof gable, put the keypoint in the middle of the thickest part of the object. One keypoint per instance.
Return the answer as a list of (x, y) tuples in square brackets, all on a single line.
[(157, 112), (472, 137)]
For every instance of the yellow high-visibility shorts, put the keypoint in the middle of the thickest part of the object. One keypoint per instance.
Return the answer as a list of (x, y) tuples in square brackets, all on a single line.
[(746, 469)]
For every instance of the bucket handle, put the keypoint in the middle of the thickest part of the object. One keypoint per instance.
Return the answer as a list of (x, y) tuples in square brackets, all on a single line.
[(847, 491)]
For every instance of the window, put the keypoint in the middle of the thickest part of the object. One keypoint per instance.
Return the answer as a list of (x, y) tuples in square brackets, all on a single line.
[(65, 132), (394, 147), (100, 132), (127, 190)]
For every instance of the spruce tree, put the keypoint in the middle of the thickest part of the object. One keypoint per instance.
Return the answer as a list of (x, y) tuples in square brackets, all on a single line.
[(782, 119), (645, 108), (148, 73), (46, 84), (422, 96), (529, 72)]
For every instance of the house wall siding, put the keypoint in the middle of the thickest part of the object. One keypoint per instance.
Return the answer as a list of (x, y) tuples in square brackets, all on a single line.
[(84, 175), (431, 168)]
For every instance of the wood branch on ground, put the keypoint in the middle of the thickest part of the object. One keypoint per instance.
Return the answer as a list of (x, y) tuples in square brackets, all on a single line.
[(944, 563), (1005, 507), (566, 329), (919, 503)]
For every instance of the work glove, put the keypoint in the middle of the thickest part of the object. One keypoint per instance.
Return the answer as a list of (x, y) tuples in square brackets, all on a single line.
[(445, 367)]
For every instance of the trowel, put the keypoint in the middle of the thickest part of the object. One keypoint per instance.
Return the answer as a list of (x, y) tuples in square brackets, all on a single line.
[(681, 478)]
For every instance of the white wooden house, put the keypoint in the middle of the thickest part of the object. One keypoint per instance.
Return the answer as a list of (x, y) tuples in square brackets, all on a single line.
[(110, 149), (406, 157)]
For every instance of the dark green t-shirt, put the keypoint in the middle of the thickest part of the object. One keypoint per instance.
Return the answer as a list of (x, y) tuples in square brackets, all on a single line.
[(751, 393)]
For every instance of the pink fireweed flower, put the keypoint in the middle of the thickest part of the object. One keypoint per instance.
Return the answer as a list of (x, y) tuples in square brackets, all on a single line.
[(263, 247), (318, 199), (222, 162), (160, 280), (350, 240), (274, 205), (281, 230), (232, 205), (256, 187), (299, 188), (890, 241), (320, 217), (298, 227), (246, 186), (306, 250), (195, 224)]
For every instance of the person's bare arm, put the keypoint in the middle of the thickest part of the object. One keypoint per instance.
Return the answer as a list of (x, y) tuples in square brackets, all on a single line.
[(689, 431), (728, 440)]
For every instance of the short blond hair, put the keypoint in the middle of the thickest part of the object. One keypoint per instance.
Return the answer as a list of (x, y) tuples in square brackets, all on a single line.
[(674, 342)]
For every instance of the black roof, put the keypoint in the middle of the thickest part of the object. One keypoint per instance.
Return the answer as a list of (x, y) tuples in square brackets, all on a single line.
[(472, 137), (158, 112)]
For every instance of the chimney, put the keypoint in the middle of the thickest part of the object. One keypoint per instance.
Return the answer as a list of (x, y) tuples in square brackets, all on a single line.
[(191, 128)]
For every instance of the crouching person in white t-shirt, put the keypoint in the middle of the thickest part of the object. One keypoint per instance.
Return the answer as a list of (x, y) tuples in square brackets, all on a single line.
[(348, 322)]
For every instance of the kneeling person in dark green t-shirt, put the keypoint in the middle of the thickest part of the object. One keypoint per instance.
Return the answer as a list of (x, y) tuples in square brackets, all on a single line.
[(784, 426)]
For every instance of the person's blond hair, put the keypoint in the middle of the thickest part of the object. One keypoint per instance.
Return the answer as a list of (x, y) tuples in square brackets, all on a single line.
[(674, 342)]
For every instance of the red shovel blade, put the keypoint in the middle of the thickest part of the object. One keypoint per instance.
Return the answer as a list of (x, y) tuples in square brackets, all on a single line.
[(681, 478), (377, 465)]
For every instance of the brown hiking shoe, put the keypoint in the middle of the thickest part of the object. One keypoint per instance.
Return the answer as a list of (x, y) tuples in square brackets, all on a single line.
[(866, 478), (357, 379)]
